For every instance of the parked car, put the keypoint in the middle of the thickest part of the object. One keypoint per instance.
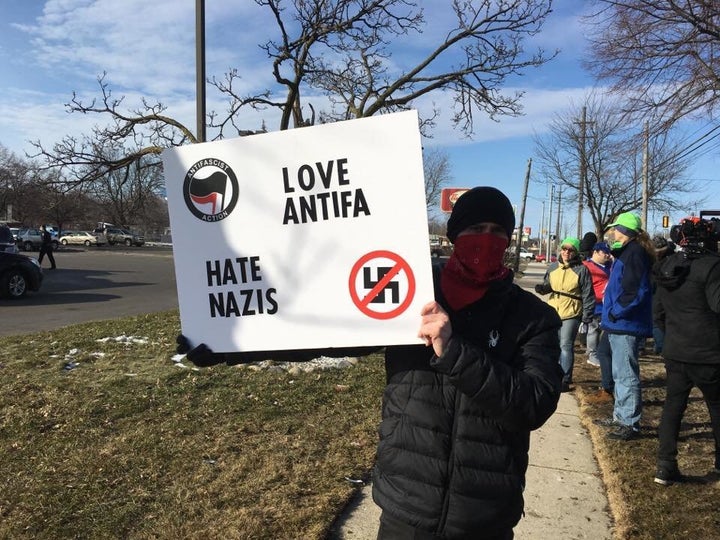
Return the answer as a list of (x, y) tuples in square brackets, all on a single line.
[(524, 253), (441, 251), (30, 239), (122, 236), (18, 275), (540, 257), (81, 238), (7, 242)]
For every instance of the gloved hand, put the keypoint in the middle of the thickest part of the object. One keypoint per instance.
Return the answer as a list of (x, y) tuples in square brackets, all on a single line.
[(183, 344), (542, 288), (201, 356)]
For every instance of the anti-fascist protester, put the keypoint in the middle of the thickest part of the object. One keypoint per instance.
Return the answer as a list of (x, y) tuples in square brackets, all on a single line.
[(457, 412), (599, 265), (688, 291), (571, 294), (663, 248), (587, 243), (627, 319)]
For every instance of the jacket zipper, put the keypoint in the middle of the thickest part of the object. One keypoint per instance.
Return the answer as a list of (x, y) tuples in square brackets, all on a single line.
[(451, 467)]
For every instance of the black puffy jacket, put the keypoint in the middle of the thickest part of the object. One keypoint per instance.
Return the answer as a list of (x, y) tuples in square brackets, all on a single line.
[(688, 292), (455, 430)]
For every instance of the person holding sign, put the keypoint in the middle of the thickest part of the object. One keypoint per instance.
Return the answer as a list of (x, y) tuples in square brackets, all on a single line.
[(458, 411)]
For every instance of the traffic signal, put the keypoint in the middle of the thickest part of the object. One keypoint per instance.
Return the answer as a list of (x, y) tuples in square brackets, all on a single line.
[(666, 222)]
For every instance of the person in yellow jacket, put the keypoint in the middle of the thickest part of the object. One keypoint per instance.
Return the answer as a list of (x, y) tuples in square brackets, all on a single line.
[(569, 284)]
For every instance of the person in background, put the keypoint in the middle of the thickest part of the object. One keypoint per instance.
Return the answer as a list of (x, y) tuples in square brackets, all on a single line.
[(599, 266), (587, 243), (688, 292), (46, 247), (663, 248), (627, 319), (458, 410), (569, 285)]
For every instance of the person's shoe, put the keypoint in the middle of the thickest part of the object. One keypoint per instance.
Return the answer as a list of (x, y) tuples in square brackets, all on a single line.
[(593, 362), (601, 396), (565, 387), (606, 422), (666, 477), (623, 433)]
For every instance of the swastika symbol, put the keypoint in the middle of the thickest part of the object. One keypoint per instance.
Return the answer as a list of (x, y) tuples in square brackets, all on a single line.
[(392, 286)]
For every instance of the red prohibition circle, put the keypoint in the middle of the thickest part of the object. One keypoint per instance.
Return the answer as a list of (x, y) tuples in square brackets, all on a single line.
[(400, 266)]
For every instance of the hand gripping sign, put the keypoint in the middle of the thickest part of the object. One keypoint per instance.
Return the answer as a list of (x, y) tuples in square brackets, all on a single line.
[(307, 238)]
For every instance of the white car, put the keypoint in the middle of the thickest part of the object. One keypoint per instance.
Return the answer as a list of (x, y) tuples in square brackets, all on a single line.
[(525, 254), (80, 238)]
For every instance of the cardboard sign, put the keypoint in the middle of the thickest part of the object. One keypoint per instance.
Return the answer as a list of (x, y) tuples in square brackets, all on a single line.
[(309, 238)]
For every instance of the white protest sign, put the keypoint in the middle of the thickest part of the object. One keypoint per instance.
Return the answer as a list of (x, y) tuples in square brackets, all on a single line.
[(309, 238)]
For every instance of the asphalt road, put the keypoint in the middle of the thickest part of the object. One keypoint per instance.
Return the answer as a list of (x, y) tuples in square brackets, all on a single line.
[(93, 285)]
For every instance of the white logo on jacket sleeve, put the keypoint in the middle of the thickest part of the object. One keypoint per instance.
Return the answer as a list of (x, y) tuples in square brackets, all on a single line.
[(493, 338)]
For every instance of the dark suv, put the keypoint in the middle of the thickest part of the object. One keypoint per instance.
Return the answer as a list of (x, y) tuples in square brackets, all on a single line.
[(7, 240), (18, 275), (122, 236)]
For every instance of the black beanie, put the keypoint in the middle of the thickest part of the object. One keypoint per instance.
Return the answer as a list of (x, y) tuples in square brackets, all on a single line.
[(481, 204), (587, 242)]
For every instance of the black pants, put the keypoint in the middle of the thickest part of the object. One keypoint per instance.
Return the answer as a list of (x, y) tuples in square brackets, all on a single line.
[(394, 529), (681, 378), (47, 250)]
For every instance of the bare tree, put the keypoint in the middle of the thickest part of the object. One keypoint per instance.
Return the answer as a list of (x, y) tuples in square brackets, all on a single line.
[(661, 55), (436, 165), (340, 49), (125, 194), (613, 162)]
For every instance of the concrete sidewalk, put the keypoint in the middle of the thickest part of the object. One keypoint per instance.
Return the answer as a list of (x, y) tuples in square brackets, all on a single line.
[(564, 499)]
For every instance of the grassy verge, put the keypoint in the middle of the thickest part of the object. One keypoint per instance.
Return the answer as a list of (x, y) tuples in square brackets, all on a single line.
[(643, 509), (127, 444)]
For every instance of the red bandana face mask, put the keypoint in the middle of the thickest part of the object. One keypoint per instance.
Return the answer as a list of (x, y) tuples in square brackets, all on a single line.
[(476, 261)]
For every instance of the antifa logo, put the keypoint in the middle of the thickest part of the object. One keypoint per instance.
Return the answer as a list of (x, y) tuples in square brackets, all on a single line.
[(210, 190)]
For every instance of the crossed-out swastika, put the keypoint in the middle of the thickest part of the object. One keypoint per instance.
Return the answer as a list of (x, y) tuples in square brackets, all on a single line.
[(389, 278)]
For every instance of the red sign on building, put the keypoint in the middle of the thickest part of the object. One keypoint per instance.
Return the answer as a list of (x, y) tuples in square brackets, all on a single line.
[(448, 197)]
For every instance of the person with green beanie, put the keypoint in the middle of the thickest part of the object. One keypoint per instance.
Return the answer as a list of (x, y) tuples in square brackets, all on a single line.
[(569, 284), (627, 320)]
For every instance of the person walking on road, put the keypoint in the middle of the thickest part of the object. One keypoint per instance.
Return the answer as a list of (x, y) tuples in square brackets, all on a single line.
[(570, 287), (46, 247), (458, 410), (688, 290), (627, 319)]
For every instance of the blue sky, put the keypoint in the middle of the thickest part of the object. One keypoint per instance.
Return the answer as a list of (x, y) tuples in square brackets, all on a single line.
[(52, 48)]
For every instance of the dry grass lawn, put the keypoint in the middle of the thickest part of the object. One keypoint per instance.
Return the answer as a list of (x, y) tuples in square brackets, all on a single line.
[(126, 444)]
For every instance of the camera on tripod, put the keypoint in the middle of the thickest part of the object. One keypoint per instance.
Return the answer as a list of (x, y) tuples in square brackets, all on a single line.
[(701, 232)]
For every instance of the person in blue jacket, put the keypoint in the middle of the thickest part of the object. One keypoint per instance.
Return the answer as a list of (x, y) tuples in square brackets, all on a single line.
[(627, 319)]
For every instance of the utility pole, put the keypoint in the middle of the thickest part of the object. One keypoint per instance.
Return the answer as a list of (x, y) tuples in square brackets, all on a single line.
[(200, 68), (521, 225), (541, 229), (559, 212), (582, 181), (549, 229), (645, 168)]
